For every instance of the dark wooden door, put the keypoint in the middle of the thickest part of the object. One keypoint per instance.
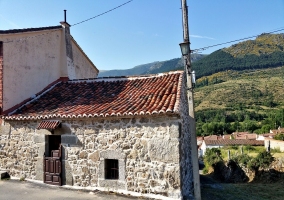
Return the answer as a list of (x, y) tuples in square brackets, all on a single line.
[(52, 168)]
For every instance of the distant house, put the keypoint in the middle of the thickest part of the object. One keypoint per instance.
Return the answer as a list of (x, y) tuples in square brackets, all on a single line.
[(244, 135), (208, 144), (276, 131), (63, 126), (266, 136)]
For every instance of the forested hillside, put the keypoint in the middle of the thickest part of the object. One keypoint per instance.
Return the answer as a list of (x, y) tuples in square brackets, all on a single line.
[(265, 51), (250, 100)]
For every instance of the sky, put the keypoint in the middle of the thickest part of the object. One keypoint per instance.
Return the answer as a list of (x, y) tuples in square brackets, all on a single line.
[(144, 31)]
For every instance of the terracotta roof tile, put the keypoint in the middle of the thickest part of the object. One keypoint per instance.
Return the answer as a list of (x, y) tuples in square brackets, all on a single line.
[(48, 124), (116, 96)]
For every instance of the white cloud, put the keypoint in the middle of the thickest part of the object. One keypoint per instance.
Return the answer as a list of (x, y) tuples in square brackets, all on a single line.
[(14, 25), (204, 37)]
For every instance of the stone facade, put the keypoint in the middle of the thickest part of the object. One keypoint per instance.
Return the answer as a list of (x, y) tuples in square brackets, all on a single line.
[(151, 157)]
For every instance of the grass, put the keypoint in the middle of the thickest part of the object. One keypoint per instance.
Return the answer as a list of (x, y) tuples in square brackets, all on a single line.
[(251, 191), (236, 150)]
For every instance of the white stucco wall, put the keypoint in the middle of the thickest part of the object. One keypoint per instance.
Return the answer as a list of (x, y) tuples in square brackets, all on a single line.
[(84, 68), (32, 63), (204, 147), (35, 59), (274, 144)]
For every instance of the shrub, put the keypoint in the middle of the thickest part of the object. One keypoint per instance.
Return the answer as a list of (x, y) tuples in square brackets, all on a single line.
[(212, 156), (262, 160), (242, 159), (234, 147), (249, 148), (279, 136)]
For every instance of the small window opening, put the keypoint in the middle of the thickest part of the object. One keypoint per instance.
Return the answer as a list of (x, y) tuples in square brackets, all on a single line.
[(111, 169)]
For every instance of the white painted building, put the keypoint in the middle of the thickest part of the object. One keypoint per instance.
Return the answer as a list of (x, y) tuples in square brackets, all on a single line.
[(31, 59)]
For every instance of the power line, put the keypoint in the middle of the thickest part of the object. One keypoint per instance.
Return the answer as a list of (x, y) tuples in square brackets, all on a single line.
[(20, 39), (103, 13), (204, 48)]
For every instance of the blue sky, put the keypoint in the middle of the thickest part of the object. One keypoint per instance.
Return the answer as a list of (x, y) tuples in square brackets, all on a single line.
[(145, 31)]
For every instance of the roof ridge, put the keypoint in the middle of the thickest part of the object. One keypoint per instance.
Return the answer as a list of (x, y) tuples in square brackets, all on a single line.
[(134, 77), (29, 29)]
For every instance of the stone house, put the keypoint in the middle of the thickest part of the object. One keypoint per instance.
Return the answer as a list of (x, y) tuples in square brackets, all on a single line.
[(122, 134), (63, 126)]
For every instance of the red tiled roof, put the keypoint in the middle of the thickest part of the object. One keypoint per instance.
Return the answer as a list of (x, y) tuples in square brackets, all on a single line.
[(48, 124), (224, 142), (212, 137), (115, 96)]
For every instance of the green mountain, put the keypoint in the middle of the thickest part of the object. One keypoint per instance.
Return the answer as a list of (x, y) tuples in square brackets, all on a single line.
[(151, 68), (266, 51)]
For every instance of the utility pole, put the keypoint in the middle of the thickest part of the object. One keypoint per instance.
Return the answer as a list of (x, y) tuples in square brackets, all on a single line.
[(189, 88)]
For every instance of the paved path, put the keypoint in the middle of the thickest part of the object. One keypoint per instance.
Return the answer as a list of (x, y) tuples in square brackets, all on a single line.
[(23, 190)]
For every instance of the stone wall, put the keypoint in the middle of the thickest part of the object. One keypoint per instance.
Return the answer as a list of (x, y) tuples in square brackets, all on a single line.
[(186, 149), (147, 149)]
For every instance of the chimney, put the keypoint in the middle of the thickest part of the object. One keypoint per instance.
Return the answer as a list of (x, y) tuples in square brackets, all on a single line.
[(65, 16), (69, 70), (64, 23)]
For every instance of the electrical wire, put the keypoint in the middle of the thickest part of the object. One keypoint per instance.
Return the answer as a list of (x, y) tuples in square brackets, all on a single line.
[(103, 13), (20, 39), (207, 47)]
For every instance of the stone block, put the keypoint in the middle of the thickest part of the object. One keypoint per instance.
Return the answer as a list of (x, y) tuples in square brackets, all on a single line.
[(90, 131), (121, 168), (175, 130), (5, 130), (112, 154), (67, 178), (69, 139), (43, 132), (164, 150), (42, 149), (64, 152), (39, 138), (112, 184), (83, 155), (94, 156), (39, 169)]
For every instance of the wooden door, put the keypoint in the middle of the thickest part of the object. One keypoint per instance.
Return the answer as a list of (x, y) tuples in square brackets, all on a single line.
[(52, 172)]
